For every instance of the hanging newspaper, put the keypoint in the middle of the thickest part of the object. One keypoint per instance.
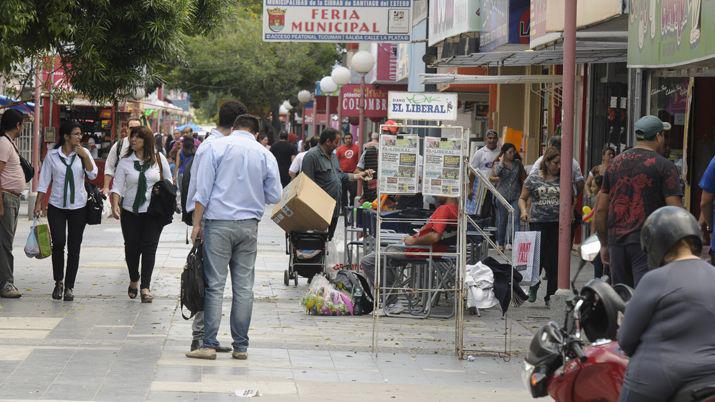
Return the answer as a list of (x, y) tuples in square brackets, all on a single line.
[(442, 167), (398, 164)]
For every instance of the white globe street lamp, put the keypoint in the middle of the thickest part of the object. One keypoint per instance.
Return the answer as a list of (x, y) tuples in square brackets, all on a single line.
[(287, 105), (341, 76), (327, 86), (362, 63), (303, 97)]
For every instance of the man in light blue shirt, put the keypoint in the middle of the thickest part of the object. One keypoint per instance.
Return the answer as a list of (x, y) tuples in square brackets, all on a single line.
[(227, 115), (238, 178)]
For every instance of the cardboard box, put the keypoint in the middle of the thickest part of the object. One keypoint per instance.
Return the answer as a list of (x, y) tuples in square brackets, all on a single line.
[(304, 206)]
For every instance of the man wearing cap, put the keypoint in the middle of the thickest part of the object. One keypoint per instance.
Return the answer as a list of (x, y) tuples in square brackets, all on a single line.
[(638, 181)]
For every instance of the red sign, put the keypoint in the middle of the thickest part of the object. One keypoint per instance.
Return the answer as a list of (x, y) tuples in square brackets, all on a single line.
[(375, 99)]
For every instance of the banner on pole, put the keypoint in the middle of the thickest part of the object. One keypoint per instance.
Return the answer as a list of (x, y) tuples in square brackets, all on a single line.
[(387, 21), (422, 106)]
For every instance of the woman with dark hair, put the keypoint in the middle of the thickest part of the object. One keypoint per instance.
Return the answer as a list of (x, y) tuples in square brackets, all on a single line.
[(607, 156), (139, 169), (64, 169), (185, 155), (542, 188), (508, 176)]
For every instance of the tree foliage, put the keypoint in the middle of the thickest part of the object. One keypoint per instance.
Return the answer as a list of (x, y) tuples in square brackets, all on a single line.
[(233, 62), (108, 48)]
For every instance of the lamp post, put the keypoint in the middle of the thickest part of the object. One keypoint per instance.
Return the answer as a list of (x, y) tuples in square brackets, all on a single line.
[(303, 97), (341, 76), (288, 107), (327, 86), (362, 62)]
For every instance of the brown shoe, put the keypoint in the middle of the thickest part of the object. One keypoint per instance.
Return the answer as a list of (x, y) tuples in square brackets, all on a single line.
[(9, 291), (202, 353), (240, 355), (147, 297)]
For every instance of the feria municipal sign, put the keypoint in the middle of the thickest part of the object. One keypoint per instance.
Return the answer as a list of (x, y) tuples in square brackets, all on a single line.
[(422, 106), (337, 20)]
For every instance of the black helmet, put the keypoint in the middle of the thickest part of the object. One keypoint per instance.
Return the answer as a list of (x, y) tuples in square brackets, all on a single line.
[(599, 313), (663, 229)]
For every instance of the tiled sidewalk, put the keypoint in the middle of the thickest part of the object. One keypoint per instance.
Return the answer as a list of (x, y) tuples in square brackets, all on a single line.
[(105, 347)]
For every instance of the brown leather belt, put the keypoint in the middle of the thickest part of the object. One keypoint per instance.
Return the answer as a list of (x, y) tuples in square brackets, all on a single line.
[(11, 192)]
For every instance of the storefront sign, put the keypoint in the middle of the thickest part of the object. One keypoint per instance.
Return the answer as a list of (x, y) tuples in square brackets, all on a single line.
[(375, 100), (504, 22), (452, 17), (422, 106), (669, 33), (337, 20), (547, 17), (442, 167)]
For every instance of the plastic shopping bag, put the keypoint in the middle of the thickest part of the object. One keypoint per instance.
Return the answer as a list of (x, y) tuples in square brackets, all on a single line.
[(32, 249), (324, 299), (44, 240), (526, 256)]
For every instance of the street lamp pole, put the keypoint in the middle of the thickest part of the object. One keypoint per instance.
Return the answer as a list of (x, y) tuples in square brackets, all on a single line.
[(327, 86), (303, 97), (341, 76), (362, 62)]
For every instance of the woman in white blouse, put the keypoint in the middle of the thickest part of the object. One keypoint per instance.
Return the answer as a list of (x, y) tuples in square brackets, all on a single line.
[(136, 174), (65, 168)]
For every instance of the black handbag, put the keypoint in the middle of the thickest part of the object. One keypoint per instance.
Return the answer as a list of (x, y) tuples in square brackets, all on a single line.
[(95, 204), (26, 166), (162, 204)]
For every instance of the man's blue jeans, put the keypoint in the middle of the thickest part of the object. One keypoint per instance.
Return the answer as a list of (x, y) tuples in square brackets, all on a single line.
[(505, 234), (229, 245)]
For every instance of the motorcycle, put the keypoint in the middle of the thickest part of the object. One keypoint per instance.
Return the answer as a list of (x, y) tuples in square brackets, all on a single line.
[(560, 363)]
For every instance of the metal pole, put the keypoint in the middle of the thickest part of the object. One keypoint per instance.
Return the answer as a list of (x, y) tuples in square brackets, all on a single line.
[(566, 198), (36, 130), (340, 111), (327, 111), (302, 122), (361, 124)]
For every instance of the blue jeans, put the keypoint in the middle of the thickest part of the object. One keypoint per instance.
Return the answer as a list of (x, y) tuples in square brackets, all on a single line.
[(229, 245), (503, 224)]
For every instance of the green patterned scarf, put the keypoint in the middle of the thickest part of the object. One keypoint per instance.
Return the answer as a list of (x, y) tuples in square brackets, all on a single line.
[(69, 180), (141, 187)]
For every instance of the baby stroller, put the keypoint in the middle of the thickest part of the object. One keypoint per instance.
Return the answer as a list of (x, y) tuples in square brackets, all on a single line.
[(307, 255)]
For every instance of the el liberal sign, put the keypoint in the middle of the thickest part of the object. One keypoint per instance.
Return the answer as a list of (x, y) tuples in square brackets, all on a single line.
[(422, 106), (388, 21)]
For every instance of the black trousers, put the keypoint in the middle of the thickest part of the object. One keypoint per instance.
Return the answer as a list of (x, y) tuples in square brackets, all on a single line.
[(66, 226), (141, 237), (549, 254), (349, 193), (628, 263)]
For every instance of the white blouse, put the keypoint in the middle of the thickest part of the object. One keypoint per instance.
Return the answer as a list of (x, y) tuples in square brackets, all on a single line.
[(126, 181), (53, 172)]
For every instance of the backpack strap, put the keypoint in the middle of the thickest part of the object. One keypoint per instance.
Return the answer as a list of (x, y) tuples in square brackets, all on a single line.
[(161, 166)]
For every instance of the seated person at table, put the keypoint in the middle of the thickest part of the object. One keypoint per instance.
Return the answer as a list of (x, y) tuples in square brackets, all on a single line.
[(436, 233)]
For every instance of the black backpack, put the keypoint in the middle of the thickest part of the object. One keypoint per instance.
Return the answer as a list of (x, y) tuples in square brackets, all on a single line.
[(192, 282), (162, 204), (95, 204), (186, 217), (357, 286)]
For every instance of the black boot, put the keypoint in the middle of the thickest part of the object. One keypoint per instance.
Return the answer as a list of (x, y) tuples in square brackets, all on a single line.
[(57, 292), (69, 294)]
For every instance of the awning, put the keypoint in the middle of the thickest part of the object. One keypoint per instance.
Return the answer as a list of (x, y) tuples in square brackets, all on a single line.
[(534, 57), (20, 106), (489, 79)]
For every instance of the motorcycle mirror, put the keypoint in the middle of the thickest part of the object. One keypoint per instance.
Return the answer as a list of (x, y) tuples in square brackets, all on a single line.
[(590, 248)]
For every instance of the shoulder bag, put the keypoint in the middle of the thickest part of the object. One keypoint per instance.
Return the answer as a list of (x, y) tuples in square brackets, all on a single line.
[(26, 166), (163, 197)]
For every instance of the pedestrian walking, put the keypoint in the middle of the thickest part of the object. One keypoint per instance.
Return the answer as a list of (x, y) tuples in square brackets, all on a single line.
[(284, 152), (137, 172), (707, 184), (185, 155), (12, 184), (369, 159), (637, 182), (64, 171), (483, 162), (263, 139), (543, 190), (228, 115), (348, 155), (297, 163), (321, 165), (607, 156), (239, 177), (508, 176), (119, 148)]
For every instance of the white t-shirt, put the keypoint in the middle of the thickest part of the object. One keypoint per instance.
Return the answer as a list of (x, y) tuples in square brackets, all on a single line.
[(576, 174), (126, 181), (295, 166), (483, 160)]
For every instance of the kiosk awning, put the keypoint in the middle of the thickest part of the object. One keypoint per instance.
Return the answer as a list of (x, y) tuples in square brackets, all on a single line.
[(490, 79)]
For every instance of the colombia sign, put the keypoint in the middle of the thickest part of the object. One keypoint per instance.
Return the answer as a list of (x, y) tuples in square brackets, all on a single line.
[(337, 20)]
